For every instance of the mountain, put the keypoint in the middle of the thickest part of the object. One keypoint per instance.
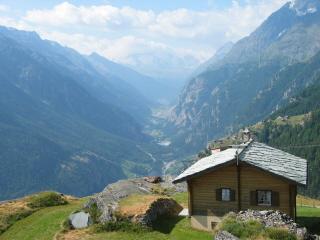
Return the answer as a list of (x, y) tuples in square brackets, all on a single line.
[(218, 56), (58, 130), (259, 74), (154, 90), (296, 129), (108, 88)]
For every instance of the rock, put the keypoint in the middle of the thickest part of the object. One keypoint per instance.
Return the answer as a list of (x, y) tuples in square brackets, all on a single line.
[(80, 220), (271, 218), (107, 201), (184, 212), (160, 207), (153, 179), (224, 235)]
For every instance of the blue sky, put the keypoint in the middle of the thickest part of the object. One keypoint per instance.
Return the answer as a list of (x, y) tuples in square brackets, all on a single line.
[(159, 38)]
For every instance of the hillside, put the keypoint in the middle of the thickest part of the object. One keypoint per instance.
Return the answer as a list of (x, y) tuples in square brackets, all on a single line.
[(64, 127), (106, 85), (296, 128), (258, 75), (47, 223)]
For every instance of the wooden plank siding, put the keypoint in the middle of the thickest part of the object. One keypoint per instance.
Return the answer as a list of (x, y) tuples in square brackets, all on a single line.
[(203, 189), (204, 192), (253, 179)]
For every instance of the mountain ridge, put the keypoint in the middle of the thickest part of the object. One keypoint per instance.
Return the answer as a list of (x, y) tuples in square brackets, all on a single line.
[(58, 134), (219, 100)]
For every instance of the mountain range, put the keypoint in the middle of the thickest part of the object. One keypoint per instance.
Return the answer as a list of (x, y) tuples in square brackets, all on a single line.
[(65, 124), (256, 76)]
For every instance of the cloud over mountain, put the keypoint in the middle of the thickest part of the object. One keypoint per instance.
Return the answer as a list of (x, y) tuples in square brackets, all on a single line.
[(145, 38)]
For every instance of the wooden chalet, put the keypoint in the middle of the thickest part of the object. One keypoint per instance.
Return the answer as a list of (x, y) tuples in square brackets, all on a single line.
[(251, 175)]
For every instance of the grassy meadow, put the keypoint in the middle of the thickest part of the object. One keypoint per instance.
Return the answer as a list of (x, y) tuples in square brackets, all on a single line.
[(47, 223)]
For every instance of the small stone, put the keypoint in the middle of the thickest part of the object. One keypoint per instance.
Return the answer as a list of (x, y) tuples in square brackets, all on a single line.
[(153, 179)]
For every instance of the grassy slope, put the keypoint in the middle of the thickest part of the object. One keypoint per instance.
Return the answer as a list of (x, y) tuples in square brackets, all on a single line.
[(43, 224), (310, 218), (166, 229)]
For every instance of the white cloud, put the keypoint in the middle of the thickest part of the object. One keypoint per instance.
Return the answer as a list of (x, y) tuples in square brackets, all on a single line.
[(97, 16), (148, 38), (3, 8), (235, 21), (152, 58)]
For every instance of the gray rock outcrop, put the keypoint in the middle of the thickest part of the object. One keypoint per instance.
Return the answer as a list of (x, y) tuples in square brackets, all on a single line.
[(108, 200)]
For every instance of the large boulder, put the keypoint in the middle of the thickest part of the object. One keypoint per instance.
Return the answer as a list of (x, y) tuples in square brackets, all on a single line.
[(107, 201), (159, 207), (79, 220)]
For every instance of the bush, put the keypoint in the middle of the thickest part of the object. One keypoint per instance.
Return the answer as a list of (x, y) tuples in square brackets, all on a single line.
[(121, 226), (94, 212), (253, 229), (280, 234), (243, 230), (46, 199)]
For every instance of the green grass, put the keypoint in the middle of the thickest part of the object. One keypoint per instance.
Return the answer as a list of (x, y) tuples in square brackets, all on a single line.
[(16, 210), (177, 228), (42, 225), (46, 199), (46, 223), (181, 198), (253, 229), (310, 218)]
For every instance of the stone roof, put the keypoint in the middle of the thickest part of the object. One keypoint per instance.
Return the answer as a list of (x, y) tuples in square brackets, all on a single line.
[(276, 161), (254, 153)]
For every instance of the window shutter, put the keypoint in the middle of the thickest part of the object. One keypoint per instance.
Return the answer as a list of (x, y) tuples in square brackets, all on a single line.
[(219, 194), (275, 199), (253, 198), (232, 195)]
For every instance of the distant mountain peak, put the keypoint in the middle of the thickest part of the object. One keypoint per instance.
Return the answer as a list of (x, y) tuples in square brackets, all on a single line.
[(304, 7)]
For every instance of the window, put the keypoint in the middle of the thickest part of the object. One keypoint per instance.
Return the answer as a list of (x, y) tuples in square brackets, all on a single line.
[(225, 194), (264, 198)]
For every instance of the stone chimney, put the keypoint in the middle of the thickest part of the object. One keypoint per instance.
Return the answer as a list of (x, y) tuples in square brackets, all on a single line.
[(246, 135)]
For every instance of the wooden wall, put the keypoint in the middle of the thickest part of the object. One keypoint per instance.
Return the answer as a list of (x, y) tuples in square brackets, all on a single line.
[(203, 190), (253, 179)]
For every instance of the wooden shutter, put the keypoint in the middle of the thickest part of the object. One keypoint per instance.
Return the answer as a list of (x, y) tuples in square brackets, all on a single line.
[(232, 195), (219, 194), (275, 199), (253, 198)]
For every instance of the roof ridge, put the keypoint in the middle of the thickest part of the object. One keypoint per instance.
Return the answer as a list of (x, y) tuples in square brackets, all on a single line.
[(246, 145)]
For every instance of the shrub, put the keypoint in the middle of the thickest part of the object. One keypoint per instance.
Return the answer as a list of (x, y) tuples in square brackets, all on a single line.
[(46, 199), (121, 226), (244, 230), (280, 234), (94, 212)]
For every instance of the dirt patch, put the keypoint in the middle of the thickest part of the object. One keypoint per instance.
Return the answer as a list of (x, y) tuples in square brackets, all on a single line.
[(136, 204), (74, 235)]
